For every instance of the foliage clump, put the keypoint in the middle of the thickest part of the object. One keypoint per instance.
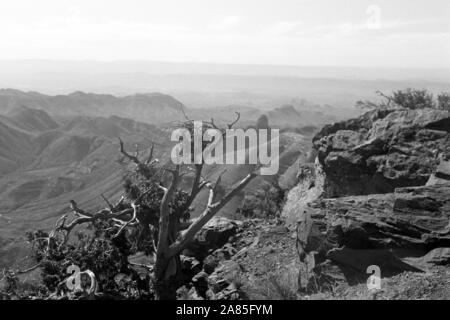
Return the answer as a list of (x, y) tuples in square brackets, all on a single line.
[(266, 202), (409, 98)]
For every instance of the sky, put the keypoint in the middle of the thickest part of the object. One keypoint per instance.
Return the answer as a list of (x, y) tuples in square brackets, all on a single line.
[(383, 33)]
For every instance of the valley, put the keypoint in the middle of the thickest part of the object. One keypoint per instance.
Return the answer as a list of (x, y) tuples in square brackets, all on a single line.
[(49, 154)]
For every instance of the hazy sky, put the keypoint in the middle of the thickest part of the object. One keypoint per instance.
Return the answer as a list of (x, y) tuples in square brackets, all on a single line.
[(400, 33)]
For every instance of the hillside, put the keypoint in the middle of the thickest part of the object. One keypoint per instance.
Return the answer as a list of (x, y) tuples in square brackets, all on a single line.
[(44, 164), (151, 108)]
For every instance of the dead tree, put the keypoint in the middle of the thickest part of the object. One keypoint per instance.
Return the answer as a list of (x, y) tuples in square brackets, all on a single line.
[(173, 233)]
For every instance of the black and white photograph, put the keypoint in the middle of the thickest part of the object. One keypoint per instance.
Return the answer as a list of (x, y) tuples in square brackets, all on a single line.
[(239, 151)]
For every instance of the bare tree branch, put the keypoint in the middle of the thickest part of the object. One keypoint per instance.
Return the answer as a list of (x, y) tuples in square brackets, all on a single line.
[(28, 269), (197, 185), (209, 212), (126, 154), (85, 217), (388, 98), (136, 153), (126, 224), (119, 203), (238, 116), (150, 156), (109, 204), (78, 211), (185, 115)]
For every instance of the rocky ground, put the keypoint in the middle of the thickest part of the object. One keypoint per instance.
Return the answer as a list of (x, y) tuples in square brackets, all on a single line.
[(261, 262)]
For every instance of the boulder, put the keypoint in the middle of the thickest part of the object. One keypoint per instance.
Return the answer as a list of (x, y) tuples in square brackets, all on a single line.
[(212, 236), (382, 150), (377, 195), (184, 293), (189, 267), (228, 272), (384, 230), (200, 282), (211, 262), (310, 188)]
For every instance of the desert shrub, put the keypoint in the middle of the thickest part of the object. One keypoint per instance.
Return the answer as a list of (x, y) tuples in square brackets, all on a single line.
[(10, 282), (413, 99), (93, 249), (13, 286), (276, 286), (267, 202), (443, 101), (408, 99)]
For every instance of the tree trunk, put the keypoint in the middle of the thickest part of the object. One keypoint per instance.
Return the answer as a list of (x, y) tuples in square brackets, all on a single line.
[(167, 275)]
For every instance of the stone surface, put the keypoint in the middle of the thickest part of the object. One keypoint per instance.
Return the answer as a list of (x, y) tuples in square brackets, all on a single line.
[(213, 235), (364, 201), (310, 188), (442, 174), (384, 230), (227, 273), (382, 150), (438, 256)]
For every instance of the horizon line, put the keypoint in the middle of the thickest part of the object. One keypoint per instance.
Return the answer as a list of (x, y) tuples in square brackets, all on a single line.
[(243, 64)]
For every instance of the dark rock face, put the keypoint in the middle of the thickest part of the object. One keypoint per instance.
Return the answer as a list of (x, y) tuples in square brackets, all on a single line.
[(215, 234), (382, 150), (206, 263), (385, 230), (310, 188), (377, 195)]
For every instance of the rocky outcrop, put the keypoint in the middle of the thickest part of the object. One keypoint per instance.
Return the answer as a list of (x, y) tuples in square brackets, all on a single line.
[(377, 195), (223, 281), (382, 150), (310, 188), (207, 269), (215, 234), (259, 263), (374, 154), (392, 231)]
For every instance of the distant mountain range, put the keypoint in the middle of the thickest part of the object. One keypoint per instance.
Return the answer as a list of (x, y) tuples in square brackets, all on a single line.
[(151, 108), (160, 109)]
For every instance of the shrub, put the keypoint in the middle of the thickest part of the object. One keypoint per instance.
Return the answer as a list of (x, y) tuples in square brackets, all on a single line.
[(443, 101), (408, 99), (93, 249), (413, 99), (267, 202)]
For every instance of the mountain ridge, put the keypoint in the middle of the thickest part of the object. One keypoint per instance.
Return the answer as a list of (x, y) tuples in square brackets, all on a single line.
[(149, 107)]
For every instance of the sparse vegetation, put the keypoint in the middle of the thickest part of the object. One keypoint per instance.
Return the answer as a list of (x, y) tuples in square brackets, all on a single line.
[(443, 101), (151, 217), (264, 203), (409, 99)]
